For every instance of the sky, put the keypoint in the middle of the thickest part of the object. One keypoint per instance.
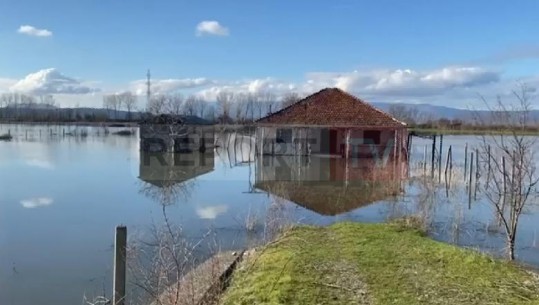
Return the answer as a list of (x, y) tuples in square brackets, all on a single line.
[(418, 51)]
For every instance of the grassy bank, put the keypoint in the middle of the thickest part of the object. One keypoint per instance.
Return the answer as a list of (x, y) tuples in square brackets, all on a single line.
[(375, 264)]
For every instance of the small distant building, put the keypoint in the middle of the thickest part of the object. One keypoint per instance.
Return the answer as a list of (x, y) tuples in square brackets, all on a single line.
[(332, 123), (176, 134)]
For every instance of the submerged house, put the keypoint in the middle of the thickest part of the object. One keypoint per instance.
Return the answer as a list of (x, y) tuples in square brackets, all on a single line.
[(332, 123), (176, 134)]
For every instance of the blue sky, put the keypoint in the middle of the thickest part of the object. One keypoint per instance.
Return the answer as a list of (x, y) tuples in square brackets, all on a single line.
[(401, 51)]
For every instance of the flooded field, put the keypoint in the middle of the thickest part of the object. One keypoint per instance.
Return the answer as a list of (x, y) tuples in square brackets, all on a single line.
[(63, 189)]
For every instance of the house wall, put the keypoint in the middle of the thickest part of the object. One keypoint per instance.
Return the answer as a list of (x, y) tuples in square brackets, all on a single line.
[(290, 168), (319, 141)]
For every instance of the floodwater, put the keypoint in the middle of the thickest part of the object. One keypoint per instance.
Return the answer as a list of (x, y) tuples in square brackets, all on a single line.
[(64, 189)]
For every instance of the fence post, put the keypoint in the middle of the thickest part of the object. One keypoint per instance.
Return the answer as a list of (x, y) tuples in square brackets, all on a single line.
[(120, 247), (447, 161), (470, 183), (432, 156), (440, 158)]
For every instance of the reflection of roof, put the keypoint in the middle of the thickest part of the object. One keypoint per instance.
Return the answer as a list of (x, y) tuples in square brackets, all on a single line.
[(330, 198), (175, 119), (332, 107)]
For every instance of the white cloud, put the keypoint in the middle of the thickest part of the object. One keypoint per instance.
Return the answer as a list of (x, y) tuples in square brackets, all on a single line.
[(164, 86), (50, 81), (372, 83), (249, 86), (211, 212), (458, 84), (33, 31), (211, 27), (6, 83), (36, 202), (405, 82)]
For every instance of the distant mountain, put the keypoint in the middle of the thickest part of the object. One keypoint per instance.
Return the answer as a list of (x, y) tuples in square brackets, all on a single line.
[(427, 112)]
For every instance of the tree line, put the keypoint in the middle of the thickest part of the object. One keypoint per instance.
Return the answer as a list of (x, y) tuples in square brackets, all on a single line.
[(227, 108)]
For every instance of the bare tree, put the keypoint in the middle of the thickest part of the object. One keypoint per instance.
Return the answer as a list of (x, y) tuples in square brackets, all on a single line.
[(174, 104), (195, 105), (190, 105), (289, 99), (202, 105), (510, 164), (267, 103), (224, 103), (47, 100), (241, 107), (129, 101), (112, 102), (157, 104), (403, 113), (3, 107)]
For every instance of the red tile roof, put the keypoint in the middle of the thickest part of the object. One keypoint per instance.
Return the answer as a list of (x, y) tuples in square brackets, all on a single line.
[(332, 107)]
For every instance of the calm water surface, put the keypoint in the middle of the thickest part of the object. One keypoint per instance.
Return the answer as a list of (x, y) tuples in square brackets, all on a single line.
[(62, 196)]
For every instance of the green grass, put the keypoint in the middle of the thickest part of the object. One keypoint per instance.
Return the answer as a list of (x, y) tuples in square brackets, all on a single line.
[(352, 263)]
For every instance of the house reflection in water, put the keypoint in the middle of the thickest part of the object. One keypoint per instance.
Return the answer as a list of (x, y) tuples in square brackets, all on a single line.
[(331, 152), (329, 186), (168, 177)]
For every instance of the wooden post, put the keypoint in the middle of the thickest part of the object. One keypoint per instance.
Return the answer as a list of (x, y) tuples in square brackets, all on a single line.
[(447, 162), (120, 247), (447, 184), (432, 157), (470, 183), (465, 161), (440, 158)]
